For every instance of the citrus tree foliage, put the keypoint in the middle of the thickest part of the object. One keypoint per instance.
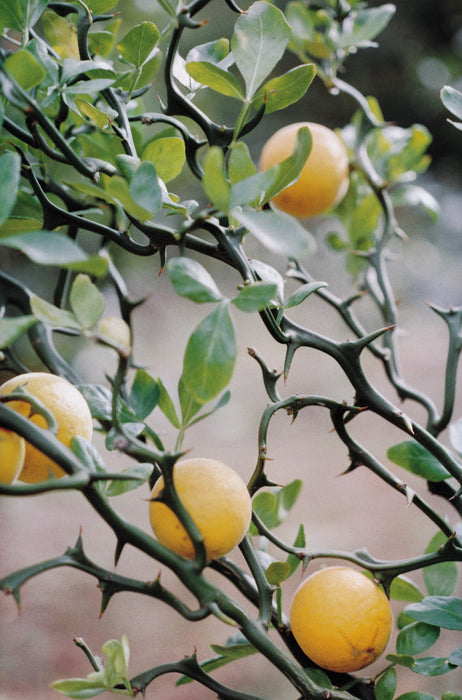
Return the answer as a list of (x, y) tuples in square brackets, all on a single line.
[(82, 176)]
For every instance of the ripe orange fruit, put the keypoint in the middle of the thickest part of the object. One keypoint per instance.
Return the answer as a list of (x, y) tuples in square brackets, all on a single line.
[(217, 500), (323, 181), (67, 405), (341, 619), (12, 451)]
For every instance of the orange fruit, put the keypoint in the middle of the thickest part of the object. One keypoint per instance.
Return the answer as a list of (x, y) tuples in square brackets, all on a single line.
[(217, 500), (67, 405), (323, 181), (341, 619)]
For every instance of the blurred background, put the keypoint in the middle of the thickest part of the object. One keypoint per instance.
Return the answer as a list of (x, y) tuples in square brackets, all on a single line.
[(420, 51)]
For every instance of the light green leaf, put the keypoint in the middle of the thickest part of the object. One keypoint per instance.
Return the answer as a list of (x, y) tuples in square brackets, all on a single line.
[(144, 188), (79, 688), (193, 281), (440, 579), (289, 169), (25, 69), (61, 34), (86, 301), (416, 459), (260, 37), (138, 44), (214, 180), (255, 296), (13, 328), (277, 231), (240, 163), (10, 172), (366, 25), (303, 292), (100, 6), (278, 93), (215, 78), (21, 15), (277, 572), (101, 118), (251, 190), (167, 155), (118, 188), (52, 315), (210, 355)]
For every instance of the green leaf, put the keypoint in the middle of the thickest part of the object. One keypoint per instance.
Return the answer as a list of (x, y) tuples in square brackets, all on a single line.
[(300, 541), (366, 25), (13, 328), (303, 292), (386, 685), (455, 657), (61, 34), (118, 188), (277, 231), (415, 695), (414, 196), (52, 315), (144, 394), (403, 588), (240, 163), (144, 188), (416, 459), (10, 173), (167, 155), (260, 37), (401, 660), (252, 189), (226, 655), (216, 78), (167, 406), (416, 638), (192, 281), (440, 579), (99, 399), (210, 355), (278, 93), (451, 696), (188, 404), (442, 611), (79, 688), (255, 296), (86, 301), (215, 184), (101, 118), (265, 506), (21, 15), (432, 666), (138, 44), (317, 675), (100, 6), (277, 572), (25, 69)]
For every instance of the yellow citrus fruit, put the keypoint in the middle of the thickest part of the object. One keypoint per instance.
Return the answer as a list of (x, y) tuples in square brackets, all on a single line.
[(324, 178), (341, 619), (67, 405), (217, 500), (12, 451)]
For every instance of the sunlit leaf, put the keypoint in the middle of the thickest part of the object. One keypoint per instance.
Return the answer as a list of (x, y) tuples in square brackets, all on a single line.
[(190, 279), (137, 45), (25, 69), (167, 155), (278, 93)]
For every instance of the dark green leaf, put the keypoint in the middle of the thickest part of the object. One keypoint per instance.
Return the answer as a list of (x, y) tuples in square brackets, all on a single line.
[(386, 685), (193, 281), (442, 611), (10, 171), (260, 37), (432, 666), (188, 404), (13, 328), (416, 459), (144, 394), (255, 296), (416, 638), (415, 695), (303, 292), (279, 232), (286, 89), (401, 660), (137, 45), (21, 15), (440, 579), (86, 301), (210, 355), (317, 675)]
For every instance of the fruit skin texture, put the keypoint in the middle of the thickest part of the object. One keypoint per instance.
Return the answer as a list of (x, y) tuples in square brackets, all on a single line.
[(217, 500), (341, 619), (67, 405), (324, 178), (12, 452)]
